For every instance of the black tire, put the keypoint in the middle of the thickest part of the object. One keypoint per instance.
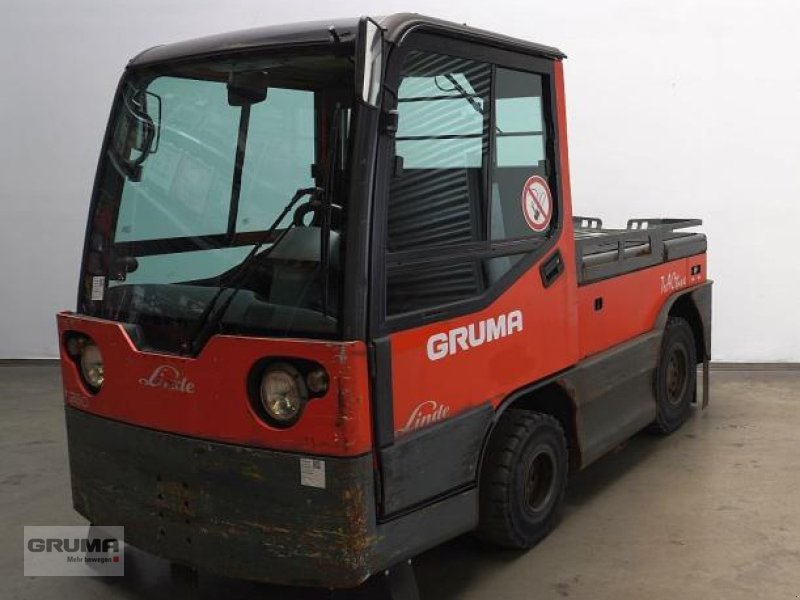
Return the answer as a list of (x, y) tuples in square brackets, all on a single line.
[(522, 482), (676, 377)]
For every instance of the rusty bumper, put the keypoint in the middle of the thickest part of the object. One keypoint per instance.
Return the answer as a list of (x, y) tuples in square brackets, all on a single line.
[(236, 511)]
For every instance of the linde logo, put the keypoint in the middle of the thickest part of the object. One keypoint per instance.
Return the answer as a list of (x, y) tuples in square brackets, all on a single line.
[(168, 377), (426, 413), (462, 338)]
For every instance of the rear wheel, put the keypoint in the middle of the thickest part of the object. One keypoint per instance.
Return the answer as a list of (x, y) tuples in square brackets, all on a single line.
[(523, 477), (676, 377)]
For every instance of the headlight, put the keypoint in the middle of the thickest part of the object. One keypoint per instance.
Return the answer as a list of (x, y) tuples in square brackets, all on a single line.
[(91, 361), (283, 393)]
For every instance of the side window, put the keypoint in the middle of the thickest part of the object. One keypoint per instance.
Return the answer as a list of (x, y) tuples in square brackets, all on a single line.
[(470, 173), (442, 141), (423, 286), (437, 197), (521, 203)]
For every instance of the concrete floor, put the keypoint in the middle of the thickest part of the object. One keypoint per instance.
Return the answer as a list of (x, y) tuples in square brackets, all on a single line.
[(711, 512)]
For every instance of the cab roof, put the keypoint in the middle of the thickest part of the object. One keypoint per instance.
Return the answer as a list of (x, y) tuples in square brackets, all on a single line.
[(312, 33)]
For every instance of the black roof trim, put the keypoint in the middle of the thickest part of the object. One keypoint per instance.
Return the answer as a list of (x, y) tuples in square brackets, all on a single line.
[(400, 24), (294, 34), (316, 33)]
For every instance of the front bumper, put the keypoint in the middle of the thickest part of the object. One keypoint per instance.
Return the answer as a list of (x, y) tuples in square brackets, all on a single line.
[(233, 510)]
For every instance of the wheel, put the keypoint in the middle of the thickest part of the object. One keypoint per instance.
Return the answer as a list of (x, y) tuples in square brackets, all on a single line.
[(522, 482), (676, 377)]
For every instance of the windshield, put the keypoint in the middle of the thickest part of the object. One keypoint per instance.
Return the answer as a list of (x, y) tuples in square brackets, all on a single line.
[(202, 161)]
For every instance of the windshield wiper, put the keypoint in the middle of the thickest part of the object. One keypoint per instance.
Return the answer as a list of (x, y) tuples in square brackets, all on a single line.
[(209, 320)]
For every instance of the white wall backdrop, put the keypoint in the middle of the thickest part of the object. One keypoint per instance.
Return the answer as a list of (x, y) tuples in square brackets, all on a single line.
[(680, 108)]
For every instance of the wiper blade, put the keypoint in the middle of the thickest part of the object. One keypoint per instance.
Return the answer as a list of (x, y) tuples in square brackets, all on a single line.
[(209, 320)]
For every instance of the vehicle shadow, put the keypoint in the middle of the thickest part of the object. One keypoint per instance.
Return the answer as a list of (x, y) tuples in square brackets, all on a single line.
[(463, 559)]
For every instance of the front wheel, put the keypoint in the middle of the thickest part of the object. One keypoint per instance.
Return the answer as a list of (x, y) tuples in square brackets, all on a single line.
[(522, 481), (676, 377)]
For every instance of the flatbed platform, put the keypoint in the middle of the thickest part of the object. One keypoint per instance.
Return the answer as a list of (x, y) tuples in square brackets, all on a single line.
[(602, 253)]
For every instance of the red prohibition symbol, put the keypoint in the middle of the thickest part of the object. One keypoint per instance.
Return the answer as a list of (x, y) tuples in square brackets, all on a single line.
[(537, 204)]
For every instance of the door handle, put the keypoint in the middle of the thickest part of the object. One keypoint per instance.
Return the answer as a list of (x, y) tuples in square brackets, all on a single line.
[(551, 269)]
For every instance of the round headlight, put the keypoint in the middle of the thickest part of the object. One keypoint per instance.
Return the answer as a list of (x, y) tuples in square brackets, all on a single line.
[(283, 393), (92, 365)]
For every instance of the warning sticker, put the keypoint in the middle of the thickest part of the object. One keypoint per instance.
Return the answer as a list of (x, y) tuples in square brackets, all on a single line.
[(537, 205), (312, 472), (98, 287)]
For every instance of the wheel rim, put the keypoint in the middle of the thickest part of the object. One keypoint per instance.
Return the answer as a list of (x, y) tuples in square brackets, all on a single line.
[(541, 480), (677, 375)]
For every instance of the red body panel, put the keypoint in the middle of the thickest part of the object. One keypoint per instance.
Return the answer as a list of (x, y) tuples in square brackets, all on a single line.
[(208, 397), (631, 302), (425, 389), (428, 390)]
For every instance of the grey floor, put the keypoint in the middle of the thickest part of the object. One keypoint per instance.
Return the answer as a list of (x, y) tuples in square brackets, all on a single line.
[(710, 512)]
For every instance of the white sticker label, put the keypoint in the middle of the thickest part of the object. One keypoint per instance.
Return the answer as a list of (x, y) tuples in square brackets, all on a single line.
[(98, 287), (312, 472)]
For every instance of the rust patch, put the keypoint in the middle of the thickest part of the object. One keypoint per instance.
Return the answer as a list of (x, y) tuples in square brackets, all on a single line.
[(358, 541), (250, 471), (342, 356), (346, 413), (266, 528), (176, 497)]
